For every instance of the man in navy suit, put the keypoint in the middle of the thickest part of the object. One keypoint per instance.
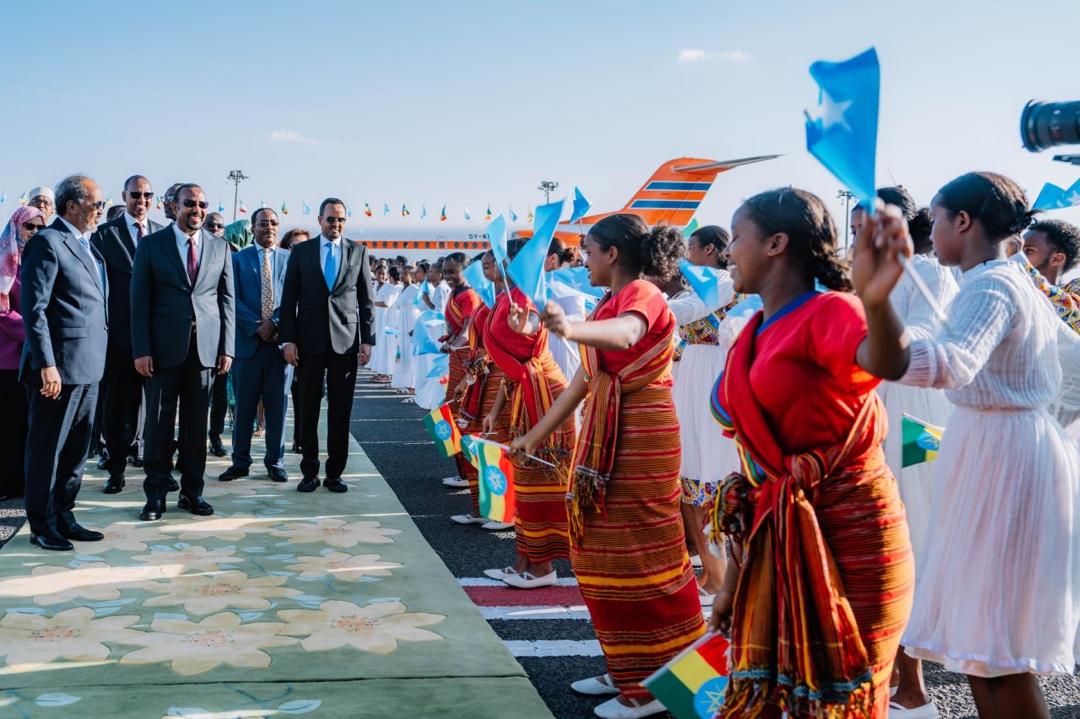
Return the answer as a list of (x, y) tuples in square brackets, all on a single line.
[(64, 304), (182, 328), (123, 386), (260, 372)]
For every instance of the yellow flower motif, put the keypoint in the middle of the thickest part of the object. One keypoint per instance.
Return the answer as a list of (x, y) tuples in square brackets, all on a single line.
[(376, 628), (215, 591), (125, 536), (30, 642), (93, 582), (193, 557), (196, 648), (338, 533), (234, 528), (346, 567)]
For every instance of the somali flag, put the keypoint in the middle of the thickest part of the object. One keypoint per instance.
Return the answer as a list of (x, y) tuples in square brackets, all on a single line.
[(692, 685), (1052, 197), (440, 423), (920, 441)]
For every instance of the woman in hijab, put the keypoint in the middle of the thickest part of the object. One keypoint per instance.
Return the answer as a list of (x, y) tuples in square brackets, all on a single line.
[(239, 235), (24, 224)]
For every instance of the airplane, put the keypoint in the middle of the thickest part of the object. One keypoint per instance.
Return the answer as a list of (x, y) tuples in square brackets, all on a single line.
[(671, 194)]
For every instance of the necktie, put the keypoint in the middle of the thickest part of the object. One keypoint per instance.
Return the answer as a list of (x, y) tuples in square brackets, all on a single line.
[(192, 261), (139, 230), (267, 287), (93, 260), (330, 269)]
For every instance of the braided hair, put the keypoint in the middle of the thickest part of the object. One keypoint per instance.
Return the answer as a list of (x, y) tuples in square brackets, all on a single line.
[(995, 200)]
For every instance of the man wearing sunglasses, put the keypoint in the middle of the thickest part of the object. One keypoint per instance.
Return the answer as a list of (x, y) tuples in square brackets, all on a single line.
[(122, 387), (328, 284), (64, 306), (43, 199), (182, 332)]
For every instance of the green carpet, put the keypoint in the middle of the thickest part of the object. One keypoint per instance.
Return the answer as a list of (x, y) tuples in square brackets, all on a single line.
[(281, 604)]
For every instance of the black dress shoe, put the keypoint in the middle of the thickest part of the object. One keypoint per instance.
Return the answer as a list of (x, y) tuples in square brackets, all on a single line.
[(296, 448), (103, 461), (216, 448), (335, 485), (153, 509), (136, 462), (115, 485), (307, 484), (173, 486), (277, 474), (78, 533), (55, 544), (232, 473), (196, 505)]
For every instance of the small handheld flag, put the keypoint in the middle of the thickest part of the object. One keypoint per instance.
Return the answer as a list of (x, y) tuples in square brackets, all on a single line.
[(306, 208), (527, 269), (404, 210), (513, 215), (243, 208), (440, 423), (220, 206), (423, 211), (367, 209), (496, 233), (442, 215), (581, 206), (3, 197), (386, 209), (474, 275), (920, 442), (691, 228), (487, 213), (284, 208), (1052, 197), (692, 685), (24, 200), (711, 284), (468, 216), (497, 496), (109, 201), (348, 213), (844, 135), (529, 208)]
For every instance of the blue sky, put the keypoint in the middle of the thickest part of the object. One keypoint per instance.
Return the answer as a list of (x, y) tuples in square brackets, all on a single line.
[(475, 102)]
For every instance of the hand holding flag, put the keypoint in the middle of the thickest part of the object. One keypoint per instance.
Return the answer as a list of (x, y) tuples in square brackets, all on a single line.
[(527, 269)]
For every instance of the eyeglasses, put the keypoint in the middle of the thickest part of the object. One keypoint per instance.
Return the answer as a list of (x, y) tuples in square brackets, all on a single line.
[(141, 195), (267, 223), (99, 205), (192, 203), (214, 226), (32, 226), (334, 219)]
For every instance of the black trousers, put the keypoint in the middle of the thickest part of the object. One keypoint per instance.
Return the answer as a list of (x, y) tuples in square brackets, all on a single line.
[(57, 445), (340, 374), (13, 437), (219, 405), (121, 423), (189, 384), (294, 390)]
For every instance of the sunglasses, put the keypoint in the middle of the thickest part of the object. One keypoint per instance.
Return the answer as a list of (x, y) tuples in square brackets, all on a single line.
[(141, 195), (192, 203), (334, 219), (32, 226), (99, 205), (214, 226)]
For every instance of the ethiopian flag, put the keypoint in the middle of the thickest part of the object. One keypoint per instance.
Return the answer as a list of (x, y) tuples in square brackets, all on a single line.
[(691, 228), (367, 209), (920, 443), (692, 685), (284, 208), (442, 215), (496, 481), (443, 430)]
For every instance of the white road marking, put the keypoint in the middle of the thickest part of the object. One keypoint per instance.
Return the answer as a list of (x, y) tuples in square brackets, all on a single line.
[(486, 582), (553, 648)]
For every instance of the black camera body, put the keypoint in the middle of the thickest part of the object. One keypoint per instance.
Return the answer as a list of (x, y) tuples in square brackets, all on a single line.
[(1048, 124)]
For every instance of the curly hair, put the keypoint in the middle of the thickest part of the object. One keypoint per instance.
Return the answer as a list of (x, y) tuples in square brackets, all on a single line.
[(1063, 237), (653, 252)]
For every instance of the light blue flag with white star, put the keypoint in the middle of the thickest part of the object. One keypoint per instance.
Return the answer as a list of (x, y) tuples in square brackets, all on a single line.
[(423, 211), (581, 206), (496, 232), (474, 275), (843, 136), (220, 207), (386, 209), (306, 208), (1052, 197), (705, 281), (513, 215), (468, 215), (527, 269)]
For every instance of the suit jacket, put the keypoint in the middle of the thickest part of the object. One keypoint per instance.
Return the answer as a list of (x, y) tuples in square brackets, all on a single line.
[(164, 304), (247, 286), (64, 307), (115, 243), (318, 319)]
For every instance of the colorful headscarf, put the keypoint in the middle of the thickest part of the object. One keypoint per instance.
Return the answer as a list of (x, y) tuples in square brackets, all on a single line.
[(239, 234), (11, 247)]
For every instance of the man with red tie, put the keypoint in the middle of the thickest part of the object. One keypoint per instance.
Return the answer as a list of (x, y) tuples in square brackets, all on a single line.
[(182, 331)]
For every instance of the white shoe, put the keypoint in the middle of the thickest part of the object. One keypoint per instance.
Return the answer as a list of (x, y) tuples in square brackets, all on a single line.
[(494, 526), (926, 711), (499, 573), (469, 519), (612, 709), (695, 560), (527, 580), (600, 686), (455, 482)]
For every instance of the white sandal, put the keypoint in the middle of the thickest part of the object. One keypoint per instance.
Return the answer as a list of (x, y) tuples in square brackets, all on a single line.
[(614, 709), (469, 519), (499, 573), (528, 580), (600, 686), (926, 711)]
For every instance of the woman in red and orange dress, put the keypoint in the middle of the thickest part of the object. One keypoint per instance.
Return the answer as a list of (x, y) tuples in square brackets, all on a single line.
[(463, 302), (628, 547), (518, 343), (820, 584)]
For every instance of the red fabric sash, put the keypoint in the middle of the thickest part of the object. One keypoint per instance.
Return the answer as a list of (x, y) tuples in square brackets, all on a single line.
[(795, 641), (476, 366)]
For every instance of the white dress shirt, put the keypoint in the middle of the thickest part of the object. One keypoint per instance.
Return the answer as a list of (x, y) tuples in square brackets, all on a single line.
[(131, 225), (182, 245)]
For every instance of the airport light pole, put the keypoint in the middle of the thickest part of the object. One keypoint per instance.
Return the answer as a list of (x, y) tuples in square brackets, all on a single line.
[(236, 177), (847, 196), (547, 187)]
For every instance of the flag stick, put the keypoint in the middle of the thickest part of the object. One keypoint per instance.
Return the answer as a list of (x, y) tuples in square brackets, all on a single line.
[(530, 456), (923, 289)]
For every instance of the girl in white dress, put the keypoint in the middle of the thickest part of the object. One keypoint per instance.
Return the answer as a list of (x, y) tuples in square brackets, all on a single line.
[(385, 344), (998, 585), (565, 352), (407, 312)]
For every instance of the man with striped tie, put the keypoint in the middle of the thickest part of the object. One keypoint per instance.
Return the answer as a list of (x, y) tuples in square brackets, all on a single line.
[(260, 372), (326, 329)]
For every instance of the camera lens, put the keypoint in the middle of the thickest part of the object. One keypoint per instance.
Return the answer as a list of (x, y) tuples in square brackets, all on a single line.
[(1047, 124)]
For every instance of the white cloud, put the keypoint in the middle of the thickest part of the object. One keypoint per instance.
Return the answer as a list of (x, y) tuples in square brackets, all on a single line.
[(689, 55), (292, 136)]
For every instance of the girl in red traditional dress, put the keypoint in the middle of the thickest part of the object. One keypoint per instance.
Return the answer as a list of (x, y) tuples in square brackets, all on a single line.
[(820, 581), (628, 547)]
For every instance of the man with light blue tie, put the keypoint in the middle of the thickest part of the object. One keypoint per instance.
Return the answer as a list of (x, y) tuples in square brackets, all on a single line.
[(65, 309), (325, 330), (259, 371)]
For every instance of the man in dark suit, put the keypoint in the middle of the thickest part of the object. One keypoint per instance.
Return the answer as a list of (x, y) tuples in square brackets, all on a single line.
[(182, 327), (64, 305), (260, 372), (326, 318), (123, 386)]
